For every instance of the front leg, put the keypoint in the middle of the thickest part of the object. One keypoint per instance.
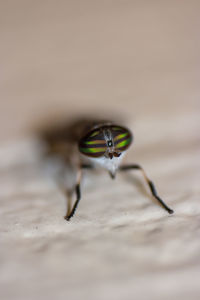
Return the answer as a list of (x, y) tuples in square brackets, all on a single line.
[(149, 182), (71, 212)]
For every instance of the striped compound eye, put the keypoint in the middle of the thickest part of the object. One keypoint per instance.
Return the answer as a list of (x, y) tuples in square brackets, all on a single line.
[(93, 144), (111, 139), (122, 138)]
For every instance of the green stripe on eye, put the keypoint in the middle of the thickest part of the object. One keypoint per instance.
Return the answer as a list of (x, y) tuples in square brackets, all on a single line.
[(116, 128), (92, 150), (123, 143), (94, 133), (97, 142), (120, 136)]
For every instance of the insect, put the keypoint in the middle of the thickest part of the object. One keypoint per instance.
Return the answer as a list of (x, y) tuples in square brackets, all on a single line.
[(105, 144)]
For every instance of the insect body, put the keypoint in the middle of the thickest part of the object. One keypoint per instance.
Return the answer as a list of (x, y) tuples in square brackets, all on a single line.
[(105, 144)]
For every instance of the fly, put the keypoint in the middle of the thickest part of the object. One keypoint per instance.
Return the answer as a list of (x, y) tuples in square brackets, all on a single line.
[(99, 144)]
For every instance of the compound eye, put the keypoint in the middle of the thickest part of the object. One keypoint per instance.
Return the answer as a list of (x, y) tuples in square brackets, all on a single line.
[(122, 138), (93, 144)]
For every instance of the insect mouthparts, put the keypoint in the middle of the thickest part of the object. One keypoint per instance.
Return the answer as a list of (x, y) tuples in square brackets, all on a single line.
[(110, 155)]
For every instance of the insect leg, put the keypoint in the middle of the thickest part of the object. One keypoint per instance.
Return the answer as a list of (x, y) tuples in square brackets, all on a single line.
[(112, 175), (78, 196), (150, 184), (69, 202), (71, 212)]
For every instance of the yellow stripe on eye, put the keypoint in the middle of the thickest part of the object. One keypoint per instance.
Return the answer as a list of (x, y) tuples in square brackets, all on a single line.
[(116, 128), (121, 136), (94, 133)]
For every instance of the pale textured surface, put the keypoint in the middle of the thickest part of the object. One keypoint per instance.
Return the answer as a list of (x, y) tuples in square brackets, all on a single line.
[(139, 59)]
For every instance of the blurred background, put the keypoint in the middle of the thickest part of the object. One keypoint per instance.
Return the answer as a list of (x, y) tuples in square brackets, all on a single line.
[(134, 58), (134, 61)]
